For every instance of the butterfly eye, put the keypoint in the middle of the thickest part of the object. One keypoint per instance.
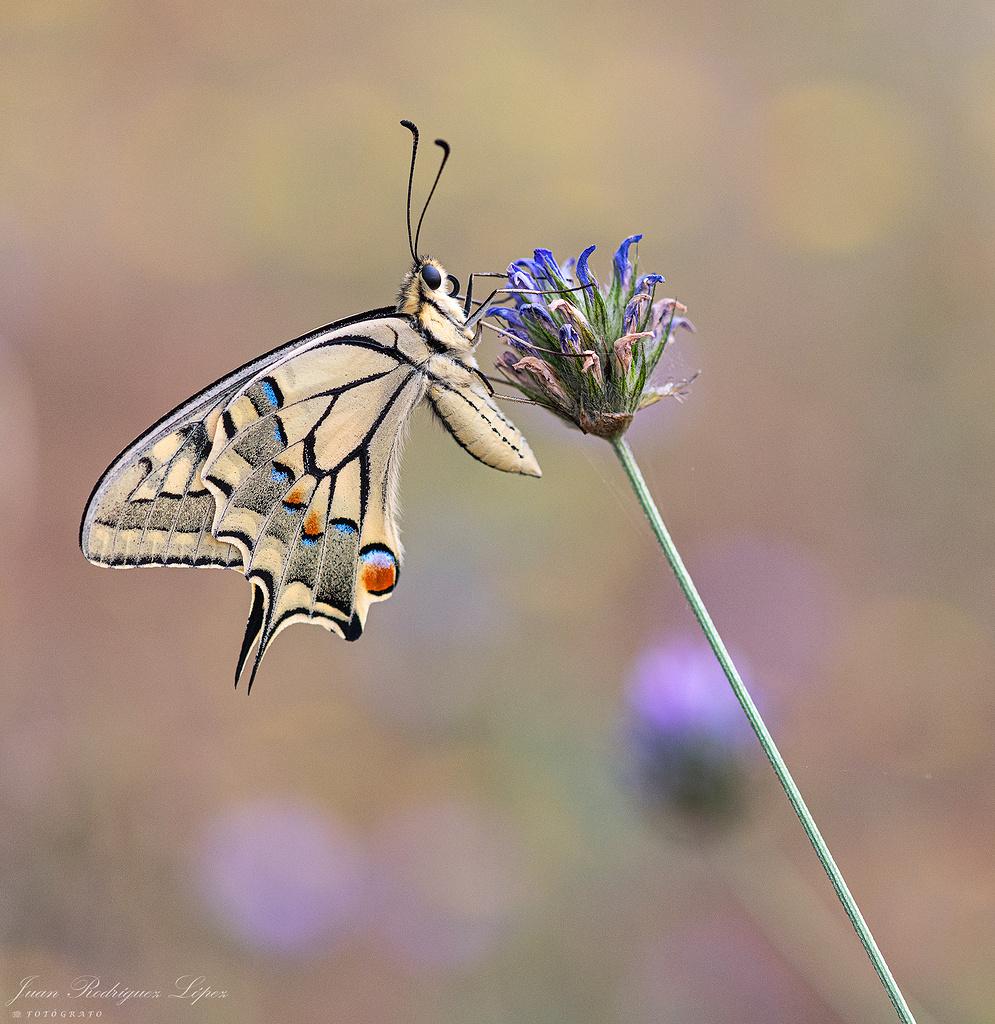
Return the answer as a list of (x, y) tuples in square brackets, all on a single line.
[(431, 276), (453, 285)]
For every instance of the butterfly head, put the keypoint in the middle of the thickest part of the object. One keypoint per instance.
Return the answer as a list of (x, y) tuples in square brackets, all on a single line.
[(428, 294)]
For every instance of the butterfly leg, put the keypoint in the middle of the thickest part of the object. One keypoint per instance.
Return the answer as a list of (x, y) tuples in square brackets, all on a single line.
[(469, 291)]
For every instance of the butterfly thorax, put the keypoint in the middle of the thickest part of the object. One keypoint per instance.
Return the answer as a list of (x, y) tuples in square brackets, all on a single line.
[(438, 317)]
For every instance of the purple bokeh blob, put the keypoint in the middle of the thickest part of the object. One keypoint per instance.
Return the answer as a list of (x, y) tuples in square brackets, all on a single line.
[(282, 877), (678, 688)]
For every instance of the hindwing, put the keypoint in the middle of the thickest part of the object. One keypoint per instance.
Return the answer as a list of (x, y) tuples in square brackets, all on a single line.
[(303, 470)]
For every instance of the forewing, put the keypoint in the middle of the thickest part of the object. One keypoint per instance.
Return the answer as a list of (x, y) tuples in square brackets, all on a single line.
[(303, 470), (463, 402), (150, 507)]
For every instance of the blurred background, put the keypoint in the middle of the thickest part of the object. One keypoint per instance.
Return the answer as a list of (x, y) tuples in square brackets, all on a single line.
[(521, 796)]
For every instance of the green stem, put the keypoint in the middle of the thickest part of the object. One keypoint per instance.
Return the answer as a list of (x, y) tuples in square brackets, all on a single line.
[(766, 740)]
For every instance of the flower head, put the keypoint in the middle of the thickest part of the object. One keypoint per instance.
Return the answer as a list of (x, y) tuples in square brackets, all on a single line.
[(584, 350)]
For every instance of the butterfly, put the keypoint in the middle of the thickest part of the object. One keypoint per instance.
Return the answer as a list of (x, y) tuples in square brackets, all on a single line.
[(286, 469)]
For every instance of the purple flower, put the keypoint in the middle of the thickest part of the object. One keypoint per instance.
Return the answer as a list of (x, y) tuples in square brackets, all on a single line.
[(521, 280), (538, 315), (647, 282), (635, 312), (679, 688), (548, 267), (593, 348), (513, 318), (621, 265), (570, 339), (583, 276)]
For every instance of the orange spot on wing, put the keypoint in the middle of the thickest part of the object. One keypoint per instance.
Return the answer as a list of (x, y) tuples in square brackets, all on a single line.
[(295, 497), (377, 578), (312, 528)]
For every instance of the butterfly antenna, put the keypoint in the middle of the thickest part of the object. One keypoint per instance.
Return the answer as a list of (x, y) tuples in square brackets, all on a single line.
[(411, 177), (445, 157)]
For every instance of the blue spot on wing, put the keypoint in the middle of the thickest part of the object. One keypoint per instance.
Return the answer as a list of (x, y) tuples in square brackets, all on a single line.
[(346, 528), (279, 474), (270, 393), (379, 558), (309, 541)]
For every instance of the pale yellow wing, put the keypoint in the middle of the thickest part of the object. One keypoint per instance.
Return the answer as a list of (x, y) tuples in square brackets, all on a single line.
[(150, 507)]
